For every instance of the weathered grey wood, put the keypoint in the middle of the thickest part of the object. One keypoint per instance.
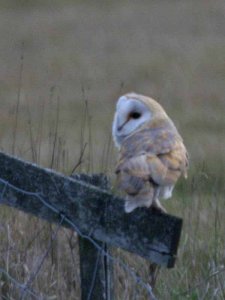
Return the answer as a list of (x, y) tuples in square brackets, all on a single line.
[(95, 268), (95, 212)]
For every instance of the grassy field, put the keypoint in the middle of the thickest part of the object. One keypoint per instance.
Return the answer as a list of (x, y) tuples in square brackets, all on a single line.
[(63, 66)]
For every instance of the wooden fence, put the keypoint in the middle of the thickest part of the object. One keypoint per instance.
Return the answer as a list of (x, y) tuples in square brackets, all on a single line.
[(84, 203)]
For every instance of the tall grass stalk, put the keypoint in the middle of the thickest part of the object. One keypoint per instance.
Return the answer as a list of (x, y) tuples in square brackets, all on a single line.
[(18, 100)]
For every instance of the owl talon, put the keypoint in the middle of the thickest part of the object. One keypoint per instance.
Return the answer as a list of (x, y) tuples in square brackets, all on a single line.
[(157, 206), (158, 210)]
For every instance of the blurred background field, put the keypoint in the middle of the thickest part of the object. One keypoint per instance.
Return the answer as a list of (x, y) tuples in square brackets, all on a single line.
[(63, 66)]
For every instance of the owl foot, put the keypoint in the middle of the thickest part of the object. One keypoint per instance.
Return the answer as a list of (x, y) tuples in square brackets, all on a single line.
[(157, 206)]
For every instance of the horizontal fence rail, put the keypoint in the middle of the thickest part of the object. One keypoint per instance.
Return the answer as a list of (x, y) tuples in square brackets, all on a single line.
[(96, 212)]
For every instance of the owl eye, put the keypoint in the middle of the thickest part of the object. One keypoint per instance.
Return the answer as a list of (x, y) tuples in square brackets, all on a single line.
[(135, 115)]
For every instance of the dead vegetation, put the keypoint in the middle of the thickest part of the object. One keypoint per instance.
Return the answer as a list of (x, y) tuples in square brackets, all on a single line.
[(62, 69)]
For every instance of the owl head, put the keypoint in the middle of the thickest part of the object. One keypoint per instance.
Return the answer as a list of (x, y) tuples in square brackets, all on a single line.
[(133, 112)]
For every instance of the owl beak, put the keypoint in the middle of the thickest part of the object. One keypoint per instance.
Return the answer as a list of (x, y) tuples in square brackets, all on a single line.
[(119, 128)]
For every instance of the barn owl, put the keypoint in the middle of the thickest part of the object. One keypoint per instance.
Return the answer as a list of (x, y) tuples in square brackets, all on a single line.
[(152, 155)]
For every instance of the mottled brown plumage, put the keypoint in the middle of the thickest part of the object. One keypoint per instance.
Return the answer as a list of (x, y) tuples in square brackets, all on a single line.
[(152, 154)]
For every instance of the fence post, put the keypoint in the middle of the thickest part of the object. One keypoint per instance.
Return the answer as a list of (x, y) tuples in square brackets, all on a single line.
[(93, 212), (96, 270)]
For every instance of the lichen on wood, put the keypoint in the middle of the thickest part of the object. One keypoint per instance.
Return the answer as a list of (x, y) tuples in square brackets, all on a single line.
[(95, 211)]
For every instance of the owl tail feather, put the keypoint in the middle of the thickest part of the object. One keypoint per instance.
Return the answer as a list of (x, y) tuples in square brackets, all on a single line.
[(132, 202)]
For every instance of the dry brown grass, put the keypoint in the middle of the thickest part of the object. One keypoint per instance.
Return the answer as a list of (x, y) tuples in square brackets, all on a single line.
[(95, 51)]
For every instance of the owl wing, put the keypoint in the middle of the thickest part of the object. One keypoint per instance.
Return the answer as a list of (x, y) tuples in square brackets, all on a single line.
[(161, 168)]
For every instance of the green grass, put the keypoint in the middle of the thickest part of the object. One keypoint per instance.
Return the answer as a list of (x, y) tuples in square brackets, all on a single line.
[(78, 52)]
